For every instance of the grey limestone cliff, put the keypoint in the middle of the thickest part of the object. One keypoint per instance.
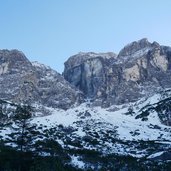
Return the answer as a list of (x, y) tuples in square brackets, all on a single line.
[(140, 68)]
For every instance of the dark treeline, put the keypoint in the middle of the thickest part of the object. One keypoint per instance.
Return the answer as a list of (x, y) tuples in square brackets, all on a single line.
[(14, 160)]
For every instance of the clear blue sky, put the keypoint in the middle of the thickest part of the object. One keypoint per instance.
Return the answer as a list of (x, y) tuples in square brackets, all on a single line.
[(49, 31)]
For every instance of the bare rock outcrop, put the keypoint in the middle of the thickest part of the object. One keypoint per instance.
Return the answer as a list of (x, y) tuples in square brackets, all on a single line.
[(26, 82), (140, 68)]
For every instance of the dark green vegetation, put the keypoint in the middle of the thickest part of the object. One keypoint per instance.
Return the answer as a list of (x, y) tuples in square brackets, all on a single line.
[(25, 148), (12, 160), (32, 148), (162, 108)]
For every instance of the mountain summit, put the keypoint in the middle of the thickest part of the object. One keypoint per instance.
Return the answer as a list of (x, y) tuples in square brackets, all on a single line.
[(140, 68), (24, 82), (134, 47)]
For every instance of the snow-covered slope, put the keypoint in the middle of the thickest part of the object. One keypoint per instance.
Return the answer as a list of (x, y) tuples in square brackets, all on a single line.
[(114, 130), (97, 118), (110, 130)]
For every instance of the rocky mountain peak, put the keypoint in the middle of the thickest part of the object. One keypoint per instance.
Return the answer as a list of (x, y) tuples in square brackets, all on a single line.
[(24, 82), (140, 66), (81, 57), (13, 61), (12, 56), (105, 78), (134, 47)]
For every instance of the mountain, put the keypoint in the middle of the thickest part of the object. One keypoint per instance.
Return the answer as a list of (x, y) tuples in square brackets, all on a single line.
[(107, 111), (140, 68), (24, 82)]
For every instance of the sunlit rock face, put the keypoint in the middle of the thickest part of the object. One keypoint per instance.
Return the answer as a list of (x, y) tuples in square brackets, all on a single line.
[(140, 68), (26, 82)]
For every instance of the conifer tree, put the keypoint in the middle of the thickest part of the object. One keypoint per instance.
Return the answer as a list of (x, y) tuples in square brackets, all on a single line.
[(22, 134)]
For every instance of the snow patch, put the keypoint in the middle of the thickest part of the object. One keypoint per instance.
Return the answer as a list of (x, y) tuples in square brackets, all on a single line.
[(75, 160), (155, 155)]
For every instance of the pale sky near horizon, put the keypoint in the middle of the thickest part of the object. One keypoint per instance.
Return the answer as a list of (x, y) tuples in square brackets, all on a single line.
[(50, 31)]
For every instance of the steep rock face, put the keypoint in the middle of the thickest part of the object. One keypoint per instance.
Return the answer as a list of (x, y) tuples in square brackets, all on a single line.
[(87, 71), (23, 81), (140, 68)]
